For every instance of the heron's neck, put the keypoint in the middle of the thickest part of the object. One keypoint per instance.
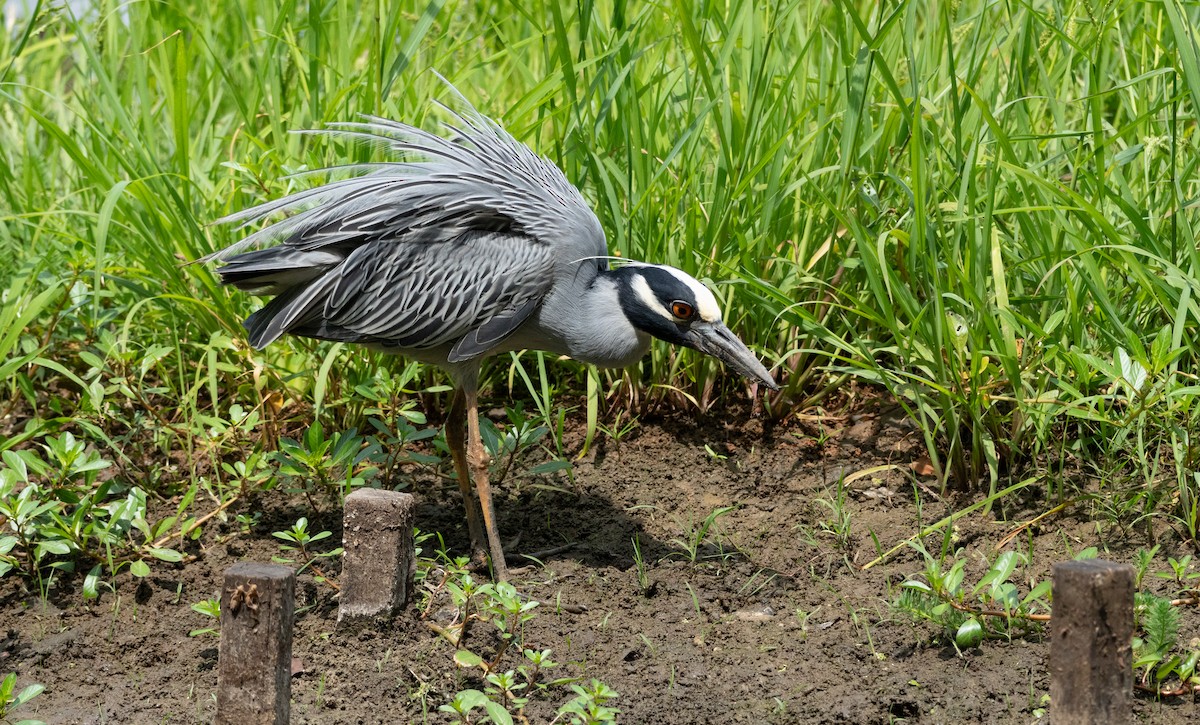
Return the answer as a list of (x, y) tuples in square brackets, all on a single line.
[(590, 321)]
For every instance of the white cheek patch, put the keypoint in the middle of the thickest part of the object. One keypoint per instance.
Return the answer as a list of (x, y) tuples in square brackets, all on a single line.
[(642, 289), (706, 304)]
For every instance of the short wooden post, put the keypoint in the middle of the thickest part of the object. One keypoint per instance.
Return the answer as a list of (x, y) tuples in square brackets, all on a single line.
[(1091, 650), (254, 680), (380, 560)]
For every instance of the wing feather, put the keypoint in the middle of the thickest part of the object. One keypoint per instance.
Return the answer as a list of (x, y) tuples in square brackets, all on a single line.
[(426, 296), (435, 189), (453, 242)]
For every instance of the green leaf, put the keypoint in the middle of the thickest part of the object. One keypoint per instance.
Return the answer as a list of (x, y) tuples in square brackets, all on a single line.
[(165, 554), (497, 713), (91, 583), (470, 699), (1188, 668), (139, 569), (28, 694), (53, 546), (548, 467), (1165, 669), (999, 571), (1040, 592), (466, 658)]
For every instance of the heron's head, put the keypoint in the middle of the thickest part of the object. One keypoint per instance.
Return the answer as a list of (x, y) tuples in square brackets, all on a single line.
[(671, 305)]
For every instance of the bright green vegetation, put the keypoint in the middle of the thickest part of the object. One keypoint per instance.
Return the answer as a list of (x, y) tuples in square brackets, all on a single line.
[(445, 580), (10, 701), (987, 210), (1002, 606)]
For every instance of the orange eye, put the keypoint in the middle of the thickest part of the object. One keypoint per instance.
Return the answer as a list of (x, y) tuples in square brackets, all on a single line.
[(682, 310)]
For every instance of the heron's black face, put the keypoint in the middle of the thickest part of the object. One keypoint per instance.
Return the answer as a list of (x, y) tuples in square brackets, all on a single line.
[(672, 305)]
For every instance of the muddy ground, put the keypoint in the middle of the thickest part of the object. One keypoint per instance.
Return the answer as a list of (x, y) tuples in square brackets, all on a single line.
[(775, 623)]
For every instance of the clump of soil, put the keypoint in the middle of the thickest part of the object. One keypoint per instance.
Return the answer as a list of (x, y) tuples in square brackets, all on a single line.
[(774, 621)]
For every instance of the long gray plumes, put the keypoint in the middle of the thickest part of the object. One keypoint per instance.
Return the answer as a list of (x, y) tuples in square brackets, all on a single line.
[(453, 242), (438, 187)]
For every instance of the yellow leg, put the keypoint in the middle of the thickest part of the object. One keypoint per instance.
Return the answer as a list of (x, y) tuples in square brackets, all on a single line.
[(455, 429), (478, 460)]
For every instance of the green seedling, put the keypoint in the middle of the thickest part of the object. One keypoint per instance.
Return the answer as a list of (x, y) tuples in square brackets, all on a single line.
[(639, 564), (317, 464), (300, 541), (622, 425), (504, 688), (209, 608), (1141, 565), (1180, 573), (466, 701), (1164, 668), (695, 536), (508, 446), (254, 473), (993, 608), (506, 691), (836, 528), (590, 705), (10, 701)]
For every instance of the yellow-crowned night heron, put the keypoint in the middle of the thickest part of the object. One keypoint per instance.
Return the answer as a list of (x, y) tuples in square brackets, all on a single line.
[(461, 248)]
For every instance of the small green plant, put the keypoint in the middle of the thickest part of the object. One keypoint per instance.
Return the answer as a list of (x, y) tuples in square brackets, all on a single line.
[(499, 604), (837, 526), (507, 446), (1142, 561), (968, 615), (692, 544), (391, 410), (506, 691), (509, 612), (1180, 572), (504, 688), (537, 662), (639, 563), (254, 473), (1164, 668), (621, 427), (466, 701), (300, 541), (59, 515), (209, 608), (590, 705), (10, 701), (317, 464)]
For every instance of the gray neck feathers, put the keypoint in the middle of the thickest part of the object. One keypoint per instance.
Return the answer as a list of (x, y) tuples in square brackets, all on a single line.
[(587, 318)]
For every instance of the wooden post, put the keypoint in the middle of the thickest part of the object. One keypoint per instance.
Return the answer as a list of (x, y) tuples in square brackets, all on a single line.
[(380, 560), (254, 680), (1091, 643)]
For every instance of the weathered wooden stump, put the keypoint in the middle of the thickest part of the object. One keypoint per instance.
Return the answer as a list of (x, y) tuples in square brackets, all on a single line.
[(254, 680), (1091, 651), (380, 560)]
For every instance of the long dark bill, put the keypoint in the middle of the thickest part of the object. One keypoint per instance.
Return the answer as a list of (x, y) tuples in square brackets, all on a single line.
[(719, 341)]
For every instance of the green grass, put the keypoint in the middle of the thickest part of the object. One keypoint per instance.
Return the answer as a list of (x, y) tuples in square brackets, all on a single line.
[(987, 209)]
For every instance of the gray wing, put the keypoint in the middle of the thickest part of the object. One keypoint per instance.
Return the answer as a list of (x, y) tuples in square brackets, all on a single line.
[(473, 291), (481, 179), (458, 241)]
